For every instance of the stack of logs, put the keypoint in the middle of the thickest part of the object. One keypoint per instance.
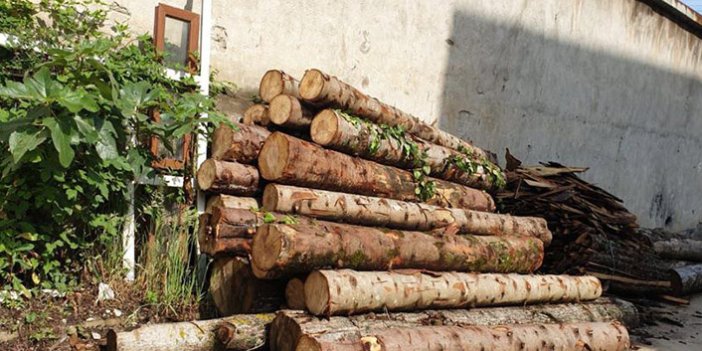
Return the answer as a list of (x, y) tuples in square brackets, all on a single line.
[(382, 228)]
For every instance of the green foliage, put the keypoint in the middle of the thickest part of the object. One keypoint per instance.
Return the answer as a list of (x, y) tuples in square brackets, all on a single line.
[(72, 98), (470, 163)]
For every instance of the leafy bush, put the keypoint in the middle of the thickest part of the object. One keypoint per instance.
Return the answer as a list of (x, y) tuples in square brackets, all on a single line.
[(72, 99)]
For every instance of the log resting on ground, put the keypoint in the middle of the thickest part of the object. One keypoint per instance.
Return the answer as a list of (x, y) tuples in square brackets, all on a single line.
[(375, 211), (288, 160), (276, 82), (345, 291), (228, 178), (285, 250), (686, 280), (235, 290), (257, 115), (242, 145), (288, 112)]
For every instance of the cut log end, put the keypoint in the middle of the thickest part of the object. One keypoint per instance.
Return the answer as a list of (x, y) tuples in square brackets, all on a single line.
[(267, 247), (324, 127), (256, 114), (273, 157), (282, 107), (307, 343), (295, 294), (272, 85), (317, 293), (206, 174), (270, 197), (312, 85)]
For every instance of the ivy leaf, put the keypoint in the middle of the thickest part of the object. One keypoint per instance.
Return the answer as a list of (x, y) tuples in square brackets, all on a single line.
[(23, 141), (41, 85), (86, 129), (62, 140), (77, 100), (106, 145)]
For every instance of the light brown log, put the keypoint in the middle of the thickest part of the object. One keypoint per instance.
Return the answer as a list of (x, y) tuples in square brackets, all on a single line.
[(680, 249), (687, 280), (191, 335), (285, 250), (229, 201), (285, 159), (242, 145), (235, 290), (608, 336), (288, 112), (375, 211), (336, 130), (320, 88), (257, 115), (288, 326), (227, 177), (276, 82), (295, 294), (226, 247), (345, 291)]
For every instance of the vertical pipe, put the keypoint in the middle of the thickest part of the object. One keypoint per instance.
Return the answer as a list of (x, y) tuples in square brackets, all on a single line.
[(128, 234)]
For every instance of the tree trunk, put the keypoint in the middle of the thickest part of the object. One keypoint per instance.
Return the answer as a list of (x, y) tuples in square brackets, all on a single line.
[(607, 336), (687, 280), (191, 335), (320, 88), (228, 178), (241, 145), (235, 290), (345, 291), (680, 249), (375, 211), (289, 160), (337, 131), (284, 250), (288, 326), (276, 82), (287, 111), (257, 115), (228, 201)]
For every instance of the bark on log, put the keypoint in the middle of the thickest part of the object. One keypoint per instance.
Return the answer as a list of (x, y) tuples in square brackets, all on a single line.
[(235, 290), (687, 280), (680, 249), (284, 250), (276, 82), (333, 130), (320, 88), (287, 111), (346, 292), (611, 336), (375, 211), (295, 294), (226, 247), (289, 160), (191, 335), (228, 201), (257, 115), (228, 178), (241, 145)]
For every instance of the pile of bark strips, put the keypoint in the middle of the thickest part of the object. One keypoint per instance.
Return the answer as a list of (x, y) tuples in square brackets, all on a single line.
[(373, 230)]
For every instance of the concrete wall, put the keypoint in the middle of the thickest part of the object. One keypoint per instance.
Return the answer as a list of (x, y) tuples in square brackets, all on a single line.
[(608, 84)]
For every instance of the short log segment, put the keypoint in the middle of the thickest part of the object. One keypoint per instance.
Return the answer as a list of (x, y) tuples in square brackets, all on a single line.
[(257, 115), (375, 211), (228, 178), (339, 131), (286, 250), (289, 160), (330, 292), (191, 335), (295, 294), (288, 112), (289, 326), (322, 89), (680, 249), (242, 145), (687, 280), (235, 290), (276, 82), (228, 201)]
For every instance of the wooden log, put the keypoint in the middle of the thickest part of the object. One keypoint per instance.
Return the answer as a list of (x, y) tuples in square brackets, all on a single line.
[(346, 292), (235, 290), (228, 178), (295, 294), (226, 247), (609, 336), (680, 249), (320, 88), (285, 250), (375, 211), (276, 82), (288, 326), (257, 115), (228, 201), (241, 145), (686, 280), (285, 159), (288, 112), (191, 335), (339, 131)]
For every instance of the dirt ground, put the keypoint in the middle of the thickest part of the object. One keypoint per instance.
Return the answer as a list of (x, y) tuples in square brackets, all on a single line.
[(680, 331)]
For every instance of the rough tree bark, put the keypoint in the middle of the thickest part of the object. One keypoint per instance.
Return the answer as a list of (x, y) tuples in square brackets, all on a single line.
[(289, 160), (228, 201), (228, 178), (284, 250), (375, 211), (288, 326), (332, 130), (287, 111), (345, 291), (295, 294), (680, 249), (322, 89), (241, 145), (235, 290), (257, 115), (686, 280)]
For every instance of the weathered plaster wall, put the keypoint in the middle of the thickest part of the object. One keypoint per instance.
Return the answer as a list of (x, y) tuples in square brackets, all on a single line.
[(608, 84)]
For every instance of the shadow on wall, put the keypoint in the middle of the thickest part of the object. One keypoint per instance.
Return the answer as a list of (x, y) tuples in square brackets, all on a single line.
[(637, 126)]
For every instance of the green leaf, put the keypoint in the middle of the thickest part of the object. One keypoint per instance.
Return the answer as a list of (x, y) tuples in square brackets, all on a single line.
[(86, 128), (16, 90), (25, 140), (61, 136), (106, 145), (269, 218), (41, 85)]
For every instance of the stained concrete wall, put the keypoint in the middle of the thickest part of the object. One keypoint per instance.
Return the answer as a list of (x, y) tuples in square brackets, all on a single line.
[(608, 84)]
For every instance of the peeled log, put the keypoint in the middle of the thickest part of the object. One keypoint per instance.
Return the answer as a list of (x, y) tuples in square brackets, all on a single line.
[(687, 280), (289, 326), (285, 250), (227, 177), (345, 291), (241, 145), (320, 88), (257, 115), (235, 290), (287, 111), (276, 82), (295, 294), (679, 249), (333, 130), (375, 211), (228, 201), (289, 160)]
